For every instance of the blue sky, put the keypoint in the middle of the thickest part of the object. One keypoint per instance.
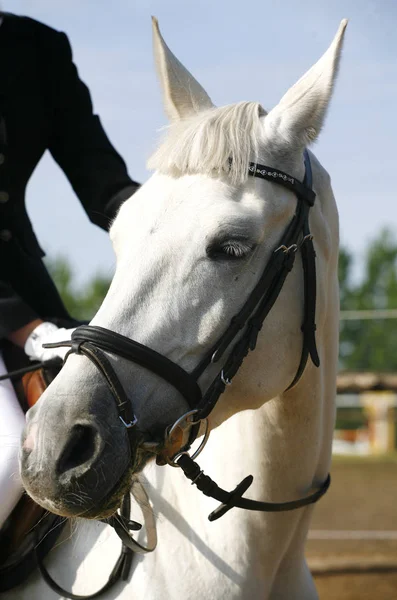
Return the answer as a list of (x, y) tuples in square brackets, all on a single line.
[(238, 51)]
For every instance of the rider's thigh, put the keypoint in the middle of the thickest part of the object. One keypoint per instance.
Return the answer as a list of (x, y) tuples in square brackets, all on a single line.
[(12, 421)]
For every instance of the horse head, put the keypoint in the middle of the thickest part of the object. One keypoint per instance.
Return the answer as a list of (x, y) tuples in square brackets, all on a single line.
[(191, 245)]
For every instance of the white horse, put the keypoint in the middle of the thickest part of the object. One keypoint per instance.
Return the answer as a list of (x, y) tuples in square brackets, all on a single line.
[(190, 247)]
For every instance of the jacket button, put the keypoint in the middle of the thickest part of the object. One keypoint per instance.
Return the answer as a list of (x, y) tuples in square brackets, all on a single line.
[(4, 197), (2, 158), (5, 235)]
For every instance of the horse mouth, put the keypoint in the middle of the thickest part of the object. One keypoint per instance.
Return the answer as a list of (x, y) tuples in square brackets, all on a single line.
[(76, 501), (114, 498)]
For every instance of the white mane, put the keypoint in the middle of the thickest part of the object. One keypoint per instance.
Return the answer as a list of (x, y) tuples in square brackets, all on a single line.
[(205, 142)]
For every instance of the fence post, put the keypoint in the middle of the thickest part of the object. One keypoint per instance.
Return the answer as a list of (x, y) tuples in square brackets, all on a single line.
[(378, 408)]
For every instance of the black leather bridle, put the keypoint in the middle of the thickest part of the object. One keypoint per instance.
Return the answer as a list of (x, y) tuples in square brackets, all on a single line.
[(94, 341)]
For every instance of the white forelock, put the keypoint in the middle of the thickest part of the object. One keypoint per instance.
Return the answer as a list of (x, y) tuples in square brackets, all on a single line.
[(217, 140)]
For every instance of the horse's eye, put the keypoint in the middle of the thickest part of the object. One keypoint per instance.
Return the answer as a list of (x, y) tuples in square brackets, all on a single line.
[(230, 250)]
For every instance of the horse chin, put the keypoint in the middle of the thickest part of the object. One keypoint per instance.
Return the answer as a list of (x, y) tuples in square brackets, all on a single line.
[(85, 508)]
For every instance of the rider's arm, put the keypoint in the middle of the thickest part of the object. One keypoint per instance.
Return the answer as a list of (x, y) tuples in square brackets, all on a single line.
[(21, 326), (19, 336), (16, 317), (79, 144)]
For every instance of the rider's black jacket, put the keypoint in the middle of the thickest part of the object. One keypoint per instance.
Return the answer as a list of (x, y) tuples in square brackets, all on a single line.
[(44, 105)]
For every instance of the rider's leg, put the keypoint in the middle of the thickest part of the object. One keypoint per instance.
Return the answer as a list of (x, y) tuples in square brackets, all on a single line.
[(12, 421)]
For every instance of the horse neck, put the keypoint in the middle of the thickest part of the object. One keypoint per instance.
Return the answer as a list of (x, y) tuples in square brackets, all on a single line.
[(285, 444), (281, 445)]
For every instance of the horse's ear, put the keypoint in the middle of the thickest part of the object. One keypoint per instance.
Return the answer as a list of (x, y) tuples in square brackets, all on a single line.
[(299, 116), (183, 95)]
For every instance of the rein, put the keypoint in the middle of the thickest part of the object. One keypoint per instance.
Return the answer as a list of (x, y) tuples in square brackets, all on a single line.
[(18, 373)]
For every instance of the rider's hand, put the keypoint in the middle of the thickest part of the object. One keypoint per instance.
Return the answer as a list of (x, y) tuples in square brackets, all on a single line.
[(47, 333)]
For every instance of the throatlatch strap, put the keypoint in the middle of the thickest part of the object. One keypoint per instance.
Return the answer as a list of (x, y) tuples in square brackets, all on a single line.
[(309, 347)]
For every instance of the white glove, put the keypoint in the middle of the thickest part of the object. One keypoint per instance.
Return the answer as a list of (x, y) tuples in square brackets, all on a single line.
[(47, 333)]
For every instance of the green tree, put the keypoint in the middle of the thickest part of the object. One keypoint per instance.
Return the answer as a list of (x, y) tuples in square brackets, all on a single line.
[(370, 344), (82, 303)]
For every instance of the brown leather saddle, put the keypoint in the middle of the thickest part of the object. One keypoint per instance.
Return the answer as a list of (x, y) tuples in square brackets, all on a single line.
[(29, 526)]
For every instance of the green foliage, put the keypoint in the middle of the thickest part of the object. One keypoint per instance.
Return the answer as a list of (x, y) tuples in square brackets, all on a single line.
[(81, 303), (370, 344)]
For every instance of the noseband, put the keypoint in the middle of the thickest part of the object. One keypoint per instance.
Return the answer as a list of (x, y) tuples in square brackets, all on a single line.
[(93, 341)]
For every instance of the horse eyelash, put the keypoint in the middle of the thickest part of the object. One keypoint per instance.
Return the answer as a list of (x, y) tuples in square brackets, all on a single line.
[(232, 249), (236, 250)]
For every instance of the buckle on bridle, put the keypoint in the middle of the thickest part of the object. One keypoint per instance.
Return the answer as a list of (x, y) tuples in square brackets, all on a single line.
[(287, 249), (225, 380), (307, 238), (294, 247), (130, 424)]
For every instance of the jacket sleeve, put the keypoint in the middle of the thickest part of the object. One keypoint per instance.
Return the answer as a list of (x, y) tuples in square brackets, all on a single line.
[(14, 312), (79, 143)]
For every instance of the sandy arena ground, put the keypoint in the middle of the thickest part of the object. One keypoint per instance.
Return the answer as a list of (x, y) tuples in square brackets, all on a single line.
[(352, 549)]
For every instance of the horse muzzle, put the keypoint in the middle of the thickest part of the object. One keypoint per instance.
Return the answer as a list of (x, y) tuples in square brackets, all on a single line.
[(77, 467)]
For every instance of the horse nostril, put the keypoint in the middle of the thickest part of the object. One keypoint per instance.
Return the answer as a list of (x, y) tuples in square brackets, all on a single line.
[(30, 440), (79, 450)]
